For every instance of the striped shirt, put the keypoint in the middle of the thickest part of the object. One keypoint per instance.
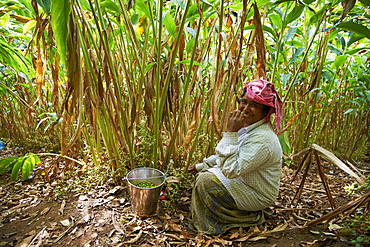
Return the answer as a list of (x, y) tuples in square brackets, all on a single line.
[(248, 163)]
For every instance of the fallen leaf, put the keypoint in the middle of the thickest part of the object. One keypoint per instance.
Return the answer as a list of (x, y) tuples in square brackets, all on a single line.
[(83, 198), (258, 238), (181, 217), (31, 233), (86, 218), (253, 231), (173, 179), (25, 242), (280, 227), (174, 227), (235, 235), (65, 222), (136, 238), (45, 211), (334, 227), (317, 243), (223, 241), (61, 210), (173, 236)]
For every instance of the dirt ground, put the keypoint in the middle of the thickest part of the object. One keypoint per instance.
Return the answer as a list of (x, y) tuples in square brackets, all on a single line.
[(31, 215)]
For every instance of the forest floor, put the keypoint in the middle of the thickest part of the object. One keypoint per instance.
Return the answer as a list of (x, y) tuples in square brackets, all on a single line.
[(31, 214)]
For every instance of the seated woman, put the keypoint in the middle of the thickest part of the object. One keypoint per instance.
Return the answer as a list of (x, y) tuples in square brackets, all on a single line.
[(236, 185)]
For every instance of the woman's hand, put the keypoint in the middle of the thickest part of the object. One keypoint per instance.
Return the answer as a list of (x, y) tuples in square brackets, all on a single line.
[(236, 121), (192, 168)]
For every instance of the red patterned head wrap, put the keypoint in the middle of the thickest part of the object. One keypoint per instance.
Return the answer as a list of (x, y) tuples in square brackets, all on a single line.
[(264, 92)]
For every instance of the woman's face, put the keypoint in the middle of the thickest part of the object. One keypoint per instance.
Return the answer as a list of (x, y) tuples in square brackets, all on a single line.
[(253, 110)]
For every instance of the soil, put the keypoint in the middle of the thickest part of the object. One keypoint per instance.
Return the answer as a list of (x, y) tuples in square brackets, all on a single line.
[(32, 215)]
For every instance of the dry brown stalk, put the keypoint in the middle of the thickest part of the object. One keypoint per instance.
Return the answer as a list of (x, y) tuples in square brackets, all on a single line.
[(346, 207)]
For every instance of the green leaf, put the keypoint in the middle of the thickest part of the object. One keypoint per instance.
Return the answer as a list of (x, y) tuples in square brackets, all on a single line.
[(191, 31), (143, 6), (6, 163), (45, 5), (27, 4), (170, 24), (110, 5), (134, 19), (366, 2), (294, 14), (148, 67), (284, 142), (276, 20), (12, 57), (353, 51), (261, 3), (26, 169), (354, 38), (30, 24), (290, 34), (335, 49), (271, 31), (339, 61), (180, 3), (4, 19), (85, 5), (190, 45), (355, 28), (296, 54), (60, 11), (187, 61), (37, 159), (32, 159), (294, 43), (16, 169)]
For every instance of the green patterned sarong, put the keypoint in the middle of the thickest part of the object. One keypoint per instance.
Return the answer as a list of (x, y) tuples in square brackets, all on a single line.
[(213, 209)]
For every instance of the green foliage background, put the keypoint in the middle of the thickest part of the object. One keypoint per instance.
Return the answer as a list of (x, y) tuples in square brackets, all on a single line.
[(151, 83)]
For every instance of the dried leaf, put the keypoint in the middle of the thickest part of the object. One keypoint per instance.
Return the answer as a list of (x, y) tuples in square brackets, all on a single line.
[(174, 227), (83, 198), (351, 205), (253, 231), (136, 238), (25, 242), (223, 241), (260, 43), (39, 72), (61, 210), (173, 236), (229, 21), (279, 228), (258, 238), (65, 222), (289, 123), (193, 125), (45, 211), (235, 235), (329, 156), (181, 217), (334, 227), (317, 243)]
